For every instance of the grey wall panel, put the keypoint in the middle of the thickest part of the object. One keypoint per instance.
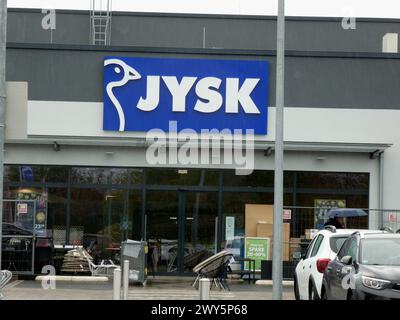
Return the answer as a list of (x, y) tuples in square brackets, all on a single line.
[(330, 36), (343, 82), (186, 31), (26, 27), (67, 75), (311, 81)]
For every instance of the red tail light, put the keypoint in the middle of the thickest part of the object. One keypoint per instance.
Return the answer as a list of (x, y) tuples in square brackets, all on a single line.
[(322, 264)]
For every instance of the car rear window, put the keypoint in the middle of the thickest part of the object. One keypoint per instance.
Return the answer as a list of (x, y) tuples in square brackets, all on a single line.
[(337, 242)]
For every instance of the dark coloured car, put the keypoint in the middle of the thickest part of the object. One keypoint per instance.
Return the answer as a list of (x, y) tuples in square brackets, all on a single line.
[(367, 267)]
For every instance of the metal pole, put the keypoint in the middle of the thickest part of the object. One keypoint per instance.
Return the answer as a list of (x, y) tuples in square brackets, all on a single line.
[(125, 280), (380, 213), (278, 188), (204, 289), (117, 284), (3, 29)]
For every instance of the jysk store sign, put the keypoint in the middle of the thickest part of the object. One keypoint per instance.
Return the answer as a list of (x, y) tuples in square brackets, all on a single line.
[(141, 94)]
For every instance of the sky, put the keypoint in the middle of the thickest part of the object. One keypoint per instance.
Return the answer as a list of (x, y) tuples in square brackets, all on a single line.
[(325, 8)]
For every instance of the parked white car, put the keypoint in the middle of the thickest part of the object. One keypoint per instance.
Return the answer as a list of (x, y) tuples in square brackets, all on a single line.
[(309, 271)]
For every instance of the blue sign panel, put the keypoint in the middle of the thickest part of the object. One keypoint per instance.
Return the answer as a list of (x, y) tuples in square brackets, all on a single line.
[(26, 174), (141, 94)]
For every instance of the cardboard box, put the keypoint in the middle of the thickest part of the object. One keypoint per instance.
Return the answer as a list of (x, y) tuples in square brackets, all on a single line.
[(255, 213), (266, 230), (259, 219)]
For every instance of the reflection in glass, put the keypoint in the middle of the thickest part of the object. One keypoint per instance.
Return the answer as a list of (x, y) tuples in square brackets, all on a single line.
[(101, 219), (35, 174), (89, 175), (162, 230), (333, 180), (201, 209), (183, 177), (233, 205)]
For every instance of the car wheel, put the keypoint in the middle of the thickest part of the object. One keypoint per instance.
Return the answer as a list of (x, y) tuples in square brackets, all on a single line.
[(350, 295), (324, 296), (296, 289), (313, 294)]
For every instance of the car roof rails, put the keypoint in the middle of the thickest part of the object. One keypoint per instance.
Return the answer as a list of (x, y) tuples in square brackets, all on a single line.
[(355, 232), (330, 228), (388, 229)]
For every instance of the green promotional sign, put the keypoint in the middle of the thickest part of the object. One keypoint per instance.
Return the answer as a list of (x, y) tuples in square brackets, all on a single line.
[(257, 249)]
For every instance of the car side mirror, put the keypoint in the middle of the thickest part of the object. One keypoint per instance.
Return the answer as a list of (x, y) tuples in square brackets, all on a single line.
[(347, 260)]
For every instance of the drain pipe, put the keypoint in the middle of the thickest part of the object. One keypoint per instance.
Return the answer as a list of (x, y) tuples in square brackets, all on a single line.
[(3, 28), (381, 183)]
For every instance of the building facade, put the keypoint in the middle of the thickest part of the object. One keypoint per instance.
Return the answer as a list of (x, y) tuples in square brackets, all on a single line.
[(341, 139)]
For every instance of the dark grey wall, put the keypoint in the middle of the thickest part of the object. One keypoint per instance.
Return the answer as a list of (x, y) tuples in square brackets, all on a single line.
[(186, 31), (312, 80)]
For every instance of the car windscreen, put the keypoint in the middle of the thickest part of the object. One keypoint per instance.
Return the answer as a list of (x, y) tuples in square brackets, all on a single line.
[(380, 252), (337, 242)]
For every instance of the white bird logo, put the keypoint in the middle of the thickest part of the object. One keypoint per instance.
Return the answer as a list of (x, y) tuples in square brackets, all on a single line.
[(129, 74)]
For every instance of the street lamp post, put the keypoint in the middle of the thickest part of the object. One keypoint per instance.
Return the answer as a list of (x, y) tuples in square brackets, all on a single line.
[(278, 182), (3, 28)]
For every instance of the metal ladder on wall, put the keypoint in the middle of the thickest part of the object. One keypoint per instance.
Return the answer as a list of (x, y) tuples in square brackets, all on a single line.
[(100, 22)]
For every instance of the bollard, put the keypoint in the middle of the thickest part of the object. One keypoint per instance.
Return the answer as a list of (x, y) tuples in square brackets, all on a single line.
[(125, 280), (204, 289), (117, 284)]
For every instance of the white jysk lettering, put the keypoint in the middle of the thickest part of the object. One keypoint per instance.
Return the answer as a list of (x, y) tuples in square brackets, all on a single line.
[(210, 100), (234, 95), (204, 91), (152, 95), (179, 91)]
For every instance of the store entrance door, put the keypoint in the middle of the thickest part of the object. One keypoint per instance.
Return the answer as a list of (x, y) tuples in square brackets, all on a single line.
[(200, 228), (181, 229)]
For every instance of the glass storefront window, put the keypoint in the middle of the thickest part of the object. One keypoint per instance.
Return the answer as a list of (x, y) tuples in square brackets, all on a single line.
[(87, 175), (183, 177), (51, 209), (258, 178), (233, 205), (201, 211), (126, 176), (314, 207), (134, 215), (106, 207), (162, 228), (333, 180), (234, 213), (43, 174), (90, 175), (101, 219), (57, 214)]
